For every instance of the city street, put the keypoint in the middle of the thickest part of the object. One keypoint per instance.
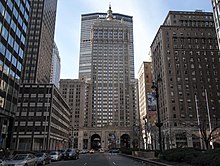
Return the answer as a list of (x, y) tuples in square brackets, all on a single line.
[(100, 159)]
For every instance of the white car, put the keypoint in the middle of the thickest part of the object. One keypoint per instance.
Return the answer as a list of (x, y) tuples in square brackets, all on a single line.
[(22, 160), (55, 156), (101, 150)]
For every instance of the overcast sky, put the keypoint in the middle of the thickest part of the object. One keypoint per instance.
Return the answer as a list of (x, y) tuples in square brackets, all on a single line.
[(148, 15)]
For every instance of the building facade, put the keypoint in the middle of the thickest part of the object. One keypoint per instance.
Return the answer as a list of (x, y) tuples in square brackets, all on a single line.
[(42, 120), (77, 93), (13, 28), (185, 57), (36, 73), (40, 42), (147, 116), (216, 12), (55, 67), (107, 63), (87, 20)]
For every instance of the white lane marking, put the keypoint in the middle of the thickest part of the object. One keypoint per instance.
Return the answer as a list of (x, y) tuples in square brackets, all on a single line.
[(114, 163), (85, 164)]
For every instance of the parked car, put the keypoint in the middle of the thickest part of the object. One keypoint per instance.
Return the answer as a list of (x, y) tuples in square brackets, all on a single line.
[(22, 160), (71, 154), (43, 158), (55, 156), (101, 150), (91, 151), (83, 151)]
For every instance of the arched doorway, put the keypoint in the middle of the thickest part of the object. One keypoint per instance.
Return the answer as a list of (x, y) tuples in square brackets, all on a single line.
[(95, 142), (125, 141)]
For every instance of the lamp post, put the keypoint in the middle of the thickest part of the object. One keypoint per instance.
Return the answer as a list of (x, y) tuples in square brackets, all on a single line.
[(158, 124)]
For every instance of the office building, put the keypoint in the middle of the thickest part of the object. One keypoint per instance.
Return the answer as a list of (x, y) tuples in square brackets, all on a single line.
[(42, 120), (40, 42), (185, 60), (14, 17), (87, 21), (107, 61), (77, 93), (33, 129), (55, 67)]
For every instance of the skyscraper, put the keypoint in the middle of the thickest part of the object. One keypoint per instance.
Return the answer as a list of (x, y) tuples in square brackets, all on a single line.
[(186, 58), (55, 67), (41, 108), (40, 39), (87, 20), (107, 60), (13, 27)]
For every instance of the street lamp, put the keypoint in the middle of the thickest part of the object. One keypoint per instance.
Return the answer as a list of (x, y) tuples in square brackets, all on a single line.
[(46, 119), (158, 124)]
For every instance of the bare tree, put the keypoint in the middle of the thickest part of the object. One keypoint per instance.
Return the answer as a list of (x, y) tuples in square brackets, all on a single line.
[(209, 136)]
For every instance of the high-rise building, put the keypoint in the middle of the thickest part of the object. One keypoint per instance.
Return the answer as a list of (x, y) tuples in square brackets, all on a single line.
[(13, 27), (87, 21), (40, 40), (216, 12), (77, 93), (55, 67), (107, 61), (47, 131), (185, 60)]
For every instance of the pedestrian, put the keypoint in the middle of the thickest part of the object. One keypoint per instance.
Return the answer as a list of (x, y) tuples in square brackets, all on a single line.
[(2, 153), (7, 153)]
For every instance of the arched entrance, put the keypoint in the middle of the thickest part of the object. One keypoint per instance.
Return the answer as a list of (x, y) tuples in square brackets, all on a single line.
[(95, 142), (125, 141)]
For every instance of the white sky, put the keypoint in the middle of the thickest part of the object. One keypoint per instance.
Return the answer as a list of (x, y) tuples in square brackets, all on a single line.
[(148, 15)]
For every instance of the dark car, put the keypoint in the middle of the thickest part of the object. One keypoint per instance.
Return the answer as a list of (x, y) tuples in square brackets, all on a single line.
[(43, 158), (71, 154), (114, 151)]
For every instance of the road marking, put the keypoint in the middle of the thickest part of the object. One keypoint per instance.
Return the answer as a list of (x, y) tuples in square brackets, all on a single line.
[(114, 163), (85, 164)]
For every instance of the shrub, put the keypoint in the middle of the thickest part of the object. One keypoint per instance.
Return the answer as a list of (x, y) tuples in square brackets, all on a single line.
[(208, 158), (180, 155), (127, 151)]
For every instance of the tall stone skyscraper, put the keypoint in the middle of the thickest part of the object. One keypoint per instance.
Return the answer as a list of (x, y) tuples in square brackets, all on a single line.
[(40, 39), (185, 60), (13, 28), (107, 60)]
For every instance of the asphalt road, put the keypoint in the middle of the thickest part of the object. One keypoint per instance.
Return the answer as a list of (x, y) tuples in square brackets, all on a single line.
[(100, 159)]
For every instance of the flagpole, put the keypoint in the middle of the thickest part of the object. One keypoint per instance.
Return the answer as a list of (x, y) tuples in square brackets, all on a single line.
[(198, 121), (210, 125)]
